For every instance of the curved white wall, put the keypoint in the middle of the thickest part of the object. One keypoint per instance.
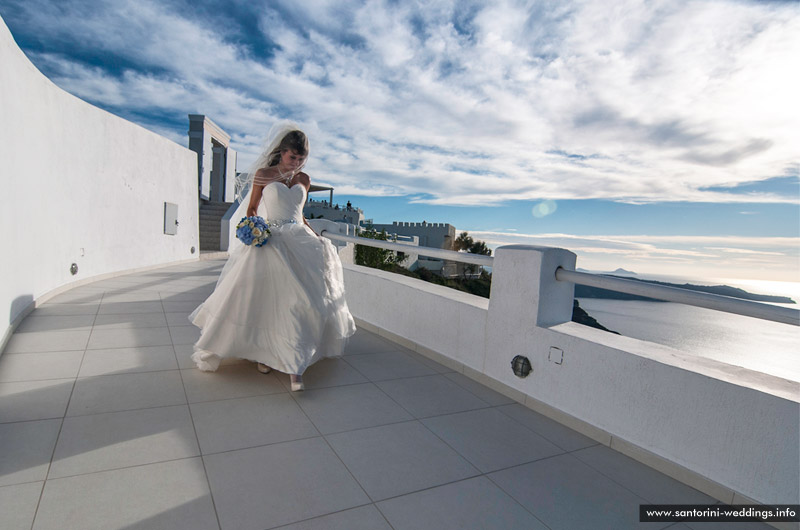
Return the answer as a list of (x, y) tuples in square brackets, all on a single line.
[(76, 177)]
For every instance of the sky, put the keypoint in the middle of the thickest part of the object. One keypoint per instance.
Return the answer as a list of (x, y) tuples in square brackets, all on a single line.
[(662, 137)]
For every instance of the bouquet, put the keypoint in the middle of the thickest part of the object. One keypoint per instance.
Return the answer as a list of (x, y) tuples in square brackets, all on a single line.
[(252, 231)]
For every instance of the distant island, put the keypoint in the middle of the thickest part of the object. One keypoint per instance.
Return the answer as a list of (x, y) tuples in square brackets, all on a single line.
[(584, 291), (618, 272)]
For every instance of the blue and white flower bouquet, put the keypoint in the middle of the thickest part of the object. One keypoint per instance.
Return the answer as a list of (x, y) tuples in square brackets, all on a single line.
[(253, 231)]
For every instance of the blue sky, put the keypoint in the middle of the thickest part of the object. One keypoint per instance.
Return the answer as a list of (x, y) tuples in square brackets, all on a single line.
[(658, 136)]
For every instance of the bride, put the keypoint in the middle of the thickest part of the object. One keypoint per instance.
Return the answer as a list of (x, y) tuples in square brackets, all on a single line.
[(281, 305)]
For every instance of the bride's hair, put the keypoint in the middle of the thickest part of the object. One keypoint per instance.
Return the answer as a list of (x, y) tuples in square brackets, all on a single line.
[(295, 140)]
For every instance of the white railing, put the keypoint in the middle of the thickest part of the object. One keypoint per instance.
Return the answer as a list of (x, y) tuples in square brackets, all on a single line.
[(452, 255), (717, 302)]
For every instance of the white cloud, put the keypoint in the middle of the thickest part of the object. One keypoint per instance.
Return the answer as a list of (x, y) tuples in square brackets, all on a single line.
[(767, 258), (635, 101)]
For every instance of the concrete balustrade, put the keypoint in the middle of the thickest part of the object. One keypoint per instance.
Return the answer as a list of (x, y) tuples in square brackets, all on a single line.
[(730, 432)]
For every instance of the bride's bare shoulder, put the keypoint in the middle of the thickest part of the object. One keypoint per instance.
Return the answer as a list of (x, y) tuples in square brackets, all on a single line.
[(264, 176), (304, 179)]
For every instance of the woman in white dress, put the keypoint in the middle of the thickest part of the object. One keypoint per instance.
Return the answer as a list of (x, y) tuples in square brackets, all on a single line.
[(281, 305)]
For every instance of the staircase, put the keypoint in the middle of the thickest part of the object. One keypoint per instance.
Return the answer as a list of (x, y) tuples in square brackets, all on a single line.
[(210, 215)]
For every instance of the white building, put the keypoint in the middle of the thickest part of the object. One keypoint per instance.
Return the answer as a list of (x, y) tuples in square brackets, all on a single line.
[(326, 209), (434, 235)]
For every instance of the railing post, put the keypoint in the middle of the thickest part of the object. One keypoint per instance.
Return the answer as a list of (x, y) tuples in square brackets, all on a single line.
[(525, 295)]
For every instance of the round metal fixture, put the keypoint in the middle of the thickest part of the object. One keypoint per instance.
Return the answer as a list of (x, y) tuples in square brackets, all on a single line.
[(192, 250), (521, 366), (73, 269)]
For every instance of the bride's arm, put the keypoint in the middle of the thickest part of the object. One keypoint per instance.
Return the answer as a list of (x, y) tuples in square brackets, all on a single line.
[(304, 180), (255, 197)]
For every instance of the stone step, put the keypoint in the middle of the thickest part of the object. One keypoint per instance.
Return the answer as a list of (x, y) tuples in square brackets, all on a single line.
[(216, 213), (209, 245)]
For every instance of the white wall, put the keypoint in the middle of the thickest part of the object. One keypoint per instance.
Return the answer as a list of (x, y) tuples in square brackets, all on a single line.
[(737, 431), (81, 186), (230, 175)]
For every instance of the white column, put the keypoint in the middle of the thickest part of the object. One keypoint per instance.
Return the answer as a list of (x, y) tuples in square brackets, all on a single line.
[(525, 294)]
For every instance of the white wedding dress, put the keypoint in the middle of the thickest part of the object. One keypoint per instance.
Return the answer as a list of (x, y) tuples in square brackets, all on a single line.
[(281, 304)]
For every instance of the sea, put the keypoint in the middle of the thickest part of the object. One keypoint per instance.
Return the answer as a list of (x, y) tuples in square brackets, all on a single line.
[(764, 346)]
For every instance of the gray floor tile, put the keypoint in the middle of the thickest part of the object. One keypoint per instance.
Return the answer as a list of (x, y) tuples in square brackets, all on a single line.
[(248, 422), (18, 505), (433, 365), (34, 322), (562, 436), (113, 393), (566, 494), (485, 393), (274, 485), (389, 365), (178, 319), (473, 503), (128, 360), (26, 450), (46, 341), (363, 518), (179, 288), (100, 442), (130, 320), (39, 366), (170, 495), (331, 372), (490, 440), (350, 407), (128, 338), (645, 481), (138, 295), (183, 353), (431, 396), (34, 400), (77, 297), (396, 459), (47, 310), (179, 307), (228, 382), (184, 334), (195, 293), (366, 342), (120, 308)]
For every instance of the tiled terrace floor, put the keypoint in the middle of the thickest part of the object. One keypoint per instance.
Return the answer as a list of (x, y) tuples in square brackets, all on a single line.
[(106, 424)]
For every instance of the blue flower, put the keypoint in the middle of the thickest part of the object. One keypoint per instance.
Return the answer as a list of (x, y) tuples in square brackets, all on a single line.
[(246, 228)]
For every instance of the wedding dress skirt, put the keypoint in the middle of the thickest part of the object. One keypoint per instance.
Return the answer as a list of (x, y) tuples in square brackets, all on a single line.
[(281, 304)]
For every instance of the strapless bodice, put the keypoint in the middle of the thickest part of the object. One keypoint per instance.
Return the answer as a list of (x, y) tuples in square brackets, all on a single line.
[(282, 204)]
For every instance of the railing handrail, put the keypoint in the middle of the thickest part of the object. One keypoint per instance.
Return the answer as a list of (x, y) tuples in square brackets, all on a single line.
[(717, 302), (452, 255), (727, 304)]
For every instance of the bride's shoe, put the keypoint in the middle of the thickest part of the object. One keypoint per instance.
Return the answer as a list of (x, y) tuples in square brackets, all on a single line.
[(263, 368), (297, 382)]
